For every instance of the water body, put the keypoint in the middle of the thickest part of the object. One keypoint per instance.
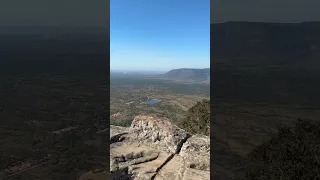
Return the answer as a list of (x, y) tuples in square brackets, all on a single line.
[(152, 101)]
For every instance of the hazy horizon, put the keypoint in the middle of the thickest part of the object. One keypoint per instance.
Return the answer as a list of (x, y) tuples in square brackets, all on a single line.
[(153, 70), (142, 37)]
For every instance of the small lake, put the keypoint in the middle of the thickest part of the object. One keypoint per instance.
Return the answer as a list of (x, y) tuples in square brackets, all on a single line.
[(152, 101)]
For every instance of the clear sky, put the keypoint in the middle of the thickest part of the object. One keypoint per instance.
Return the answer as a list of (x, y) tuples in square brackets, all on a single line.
[(159, 34)]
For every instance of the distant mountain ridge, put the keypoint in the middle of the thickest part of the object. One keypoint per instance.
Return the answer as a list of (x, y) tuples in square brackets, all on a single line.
[(285, 44), (188, 74), (53, 49)]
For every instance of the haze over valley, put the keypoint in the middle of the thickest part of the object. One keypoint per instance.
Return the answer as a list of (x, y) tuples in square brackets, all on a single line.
[(173, 88)]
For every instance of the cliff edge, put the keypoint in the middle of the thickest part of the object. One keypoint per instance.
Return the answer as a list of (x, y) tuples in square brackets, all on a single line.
[(155, 148)]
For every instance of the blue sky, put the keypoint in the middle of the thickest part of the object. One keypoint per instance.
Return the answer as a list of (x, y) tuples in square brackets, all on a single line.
[(159, 34)]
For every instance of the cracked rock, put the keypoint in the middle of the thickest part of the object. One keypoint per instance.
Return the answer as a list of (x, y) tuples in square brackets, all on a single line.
[(154, 148), (193, 161)]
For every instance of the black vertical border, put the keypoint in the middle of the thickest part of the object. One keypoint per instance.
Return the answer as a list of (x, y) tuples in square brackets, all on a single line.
[(108, 85), (99, 61), (211, 95)]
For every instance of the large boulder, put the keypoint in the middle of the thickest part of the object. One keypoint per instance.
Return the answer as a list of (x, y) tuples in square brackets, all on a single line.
[(158, 130), (193, 161)]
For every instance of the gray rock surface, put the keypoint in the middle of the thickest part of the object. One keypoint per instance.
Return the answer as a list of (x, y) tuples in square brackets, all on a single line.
[(192, 162), (157, 130), (117, 133), (154, 148)]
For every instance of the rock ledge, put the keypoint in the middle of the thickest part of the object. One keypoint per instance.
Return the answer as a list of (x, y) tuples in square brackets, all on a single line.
[(155, 148)]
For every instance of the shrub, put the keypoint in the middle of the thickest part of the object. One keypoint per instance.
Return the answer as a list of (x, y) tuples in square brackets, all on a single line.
[(197, 119), (293, 154)]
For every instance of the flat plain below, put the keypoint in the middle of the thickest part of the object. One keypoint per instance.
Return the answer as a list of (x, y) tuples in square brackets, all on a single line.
[(128, 95)]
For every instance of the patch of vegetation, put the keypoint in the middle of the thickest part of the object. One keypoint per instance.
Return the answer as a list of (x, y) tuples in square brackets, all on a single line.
[(292, 154), (197, 120)]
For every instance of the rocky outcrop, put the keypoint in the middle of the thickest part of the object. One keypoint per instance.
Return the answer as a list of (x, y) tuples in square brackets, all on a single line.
[(155, 148)]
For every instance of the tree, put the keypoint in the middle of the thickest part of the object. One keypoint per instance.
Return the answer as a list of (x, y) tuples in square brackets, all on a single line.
[(292, 154), (197, 119)]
